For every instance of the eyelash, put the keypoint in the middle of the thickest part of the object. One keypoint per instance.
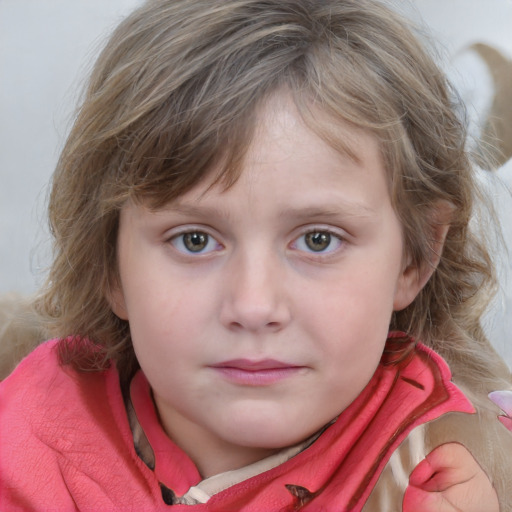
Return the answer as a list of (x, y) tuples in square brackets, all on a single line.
[(300, 243), (179, 242), (207, 244)]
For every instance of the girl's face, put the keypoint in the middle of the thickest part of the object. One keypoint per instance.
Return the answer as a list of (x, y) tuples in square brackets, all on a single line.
[(260, 312)]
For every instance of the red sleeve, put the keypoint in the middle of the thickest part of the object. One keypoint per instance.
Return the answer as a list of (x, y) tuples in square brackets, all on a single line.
[(30, 476), (65, 442)]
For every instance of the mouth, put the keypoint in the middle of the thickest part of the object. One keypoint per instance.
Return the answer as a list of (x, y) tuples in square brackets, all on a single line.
[(249, 372)]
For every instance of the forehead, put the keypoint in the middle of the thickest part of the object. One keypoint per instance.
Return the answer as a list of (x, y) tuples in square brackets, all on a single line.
[(278, 126), (282, 119), (287, 160)]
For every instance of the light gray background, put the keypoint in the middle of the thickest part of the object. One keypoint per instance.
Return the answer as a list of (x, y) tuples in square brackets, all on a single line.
[(47, 47)]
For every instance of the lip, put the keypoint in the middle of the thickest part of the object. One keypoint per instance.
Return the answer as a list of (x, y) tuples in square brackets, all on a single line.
[(253, 365), (262, 372)]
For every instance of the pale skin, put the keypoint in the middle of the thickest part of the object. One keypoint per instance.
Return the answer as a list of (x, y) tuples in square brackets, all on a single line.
[(286, 265)]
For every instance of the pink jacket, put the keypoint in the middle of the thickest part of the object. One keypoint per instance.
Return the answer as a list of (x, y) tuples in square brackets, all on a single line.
[(66, 444)]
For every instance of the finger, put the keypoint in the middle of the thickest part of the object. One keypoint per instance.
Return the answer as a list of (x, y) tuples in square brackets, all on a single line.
[(449, 479), (448, 465)]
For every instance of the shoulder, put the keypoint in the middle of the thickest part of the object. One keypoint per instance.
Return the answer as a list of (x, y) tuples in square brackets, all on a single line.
[(58, 427), (484, 437), (33, 381), (40, 381), (41, 395), (476, 447), (462, 435)]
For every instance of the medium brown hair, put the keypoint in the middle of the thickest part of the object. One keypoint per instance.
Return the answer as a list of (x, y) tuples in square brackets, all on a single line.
[(173, 95)]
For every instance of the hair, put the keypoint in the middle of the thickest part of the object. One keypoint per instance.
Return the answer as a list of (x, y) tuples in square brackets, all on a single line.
[(174, 95)]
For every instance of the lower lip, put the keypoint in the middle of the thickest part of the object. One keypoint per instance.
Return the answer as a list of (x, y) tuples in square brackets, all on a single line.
[(264, 377)]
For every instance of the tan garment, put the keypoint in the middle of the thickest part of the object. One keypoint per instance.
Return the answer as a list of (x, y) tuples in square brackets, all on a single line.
[(482, 434)]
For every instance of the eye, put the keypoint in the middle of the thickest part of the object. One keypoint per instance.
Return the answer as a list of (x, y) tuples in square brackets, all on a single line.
[(195, 242), (318, 241)]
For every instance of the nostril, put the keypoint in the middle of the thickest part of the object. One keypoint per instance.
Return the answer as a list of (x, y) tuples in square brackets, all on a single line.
[(253, 311), (270, 326)]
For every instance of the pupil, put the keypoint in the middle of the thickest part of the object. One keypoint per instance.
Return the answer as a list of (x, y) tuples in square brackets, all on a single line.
[(195, 242), (318, 241)]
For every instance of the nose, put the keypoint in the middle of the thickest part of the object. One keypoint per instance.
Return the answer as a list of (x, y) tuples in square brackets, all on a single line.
[(255, 295)]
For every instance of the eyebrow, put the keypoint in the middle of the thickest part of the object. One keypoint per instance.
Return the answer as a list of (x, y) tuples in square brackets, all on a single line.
[(333, 210), (196, 211), (341, 209)]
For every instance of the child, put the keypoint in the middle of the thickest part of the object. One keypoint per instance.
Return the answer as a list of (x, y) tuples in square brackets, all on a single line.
[(261, 247)]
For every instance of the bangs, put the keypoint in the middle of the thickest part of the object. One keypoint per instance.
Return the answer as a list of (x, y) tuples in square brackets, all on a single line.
[(187, 110), (164, 163)]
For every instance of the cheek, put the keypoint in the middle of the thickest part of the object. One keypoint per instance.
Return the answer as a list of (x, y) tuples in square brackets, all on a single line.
[(360, 300), (351, 325), (167, 317)]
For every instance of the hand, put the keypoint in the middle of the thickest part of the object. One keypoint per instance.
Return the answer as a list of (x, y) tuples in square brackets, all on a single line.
[(450, 480)]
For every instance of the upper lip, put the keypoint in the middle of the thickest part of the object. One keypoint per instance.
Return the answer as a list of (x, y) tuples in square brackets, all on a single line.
[(254, 365)]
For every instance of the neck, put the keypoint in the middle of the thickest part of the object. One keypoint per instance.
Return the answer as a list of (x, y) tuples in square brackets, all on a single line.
[(210, 454)]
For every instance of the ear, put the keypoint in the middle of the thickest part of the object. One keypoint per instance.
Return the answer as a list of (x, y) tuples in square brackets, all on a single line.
[(115, 298), (414, 277)]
